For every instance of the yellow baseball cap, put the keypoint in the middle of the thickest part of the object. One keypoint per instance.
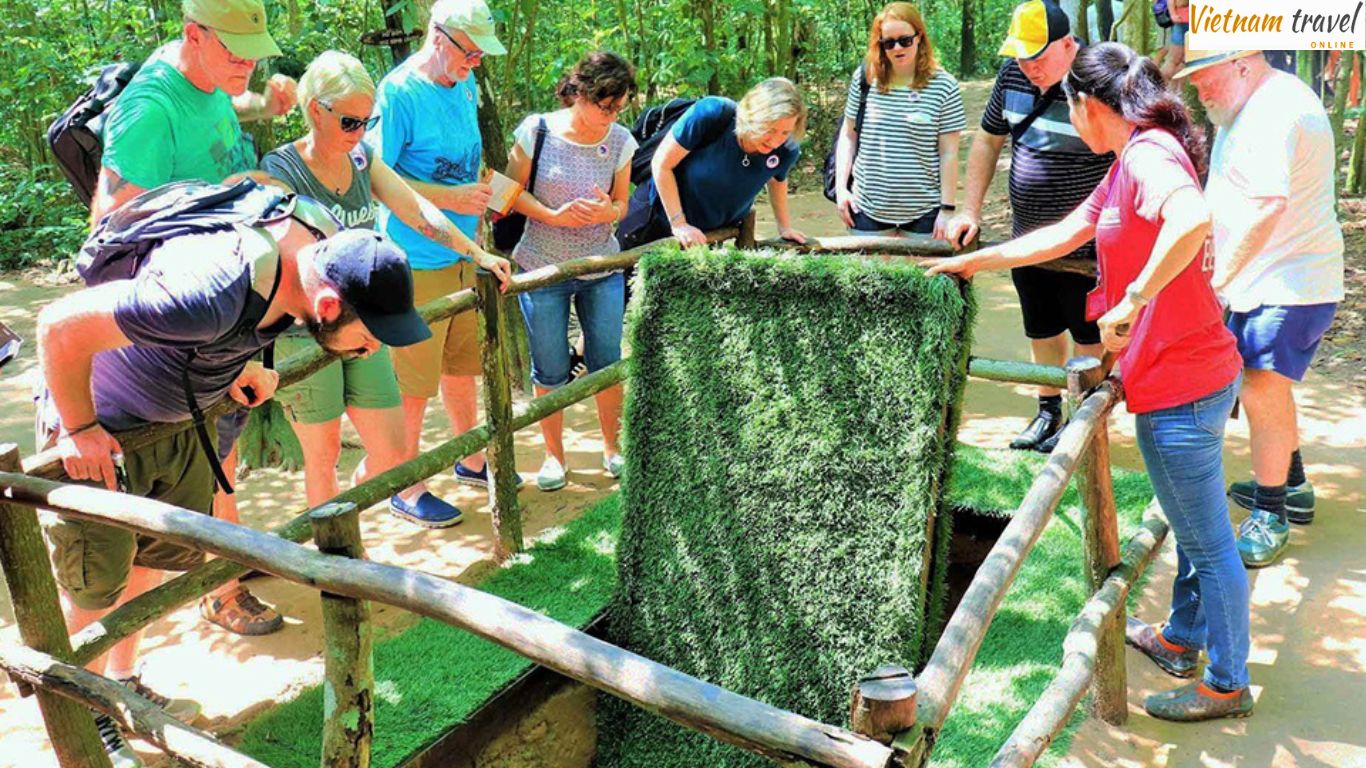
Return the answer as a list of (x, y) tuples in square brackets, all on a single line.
[(471, 17), (1034, 25), (240, 24), (1198, 60)]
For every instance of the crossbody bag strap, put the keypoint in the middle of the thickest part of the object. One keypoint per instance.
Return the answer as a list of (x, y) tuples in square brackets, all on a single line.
[(541, 131)]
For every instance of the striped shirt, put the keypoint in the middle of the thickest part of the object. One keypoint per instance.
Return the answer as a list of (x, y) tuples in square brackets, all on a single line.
[(896, 170), (1052, 171)]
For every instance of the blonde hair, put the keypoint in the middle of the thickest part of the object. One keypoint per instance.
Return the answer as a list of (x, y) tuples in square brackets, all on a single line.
[(877, 68), (776, 98), (334, 75)]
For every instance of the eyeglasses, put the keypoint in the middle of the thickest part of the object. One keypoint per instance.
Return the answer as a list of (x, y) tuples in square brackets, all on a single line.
[(905, 41), (312, 216), (351, 124), (474, 55), (232, 57)]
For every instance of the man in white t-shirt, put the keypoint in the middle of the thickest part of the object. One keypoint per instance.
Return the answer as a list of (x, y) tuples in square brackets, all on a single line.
[(1278, 264)]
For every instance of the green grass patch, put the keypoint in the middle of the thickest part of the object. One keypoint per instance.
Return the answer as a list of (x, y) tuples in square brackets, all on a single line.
[(785, 425), (433, 676)]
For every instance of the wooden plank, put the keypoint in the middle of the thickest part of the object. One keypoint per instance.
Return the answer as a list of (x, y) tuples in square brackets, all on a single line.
[(84, 691), (191, 585), (1081, 650), (348, 648), (693, 703), (501, 458), (1017, 372), (943, 676), (38, 612), (748, 226)]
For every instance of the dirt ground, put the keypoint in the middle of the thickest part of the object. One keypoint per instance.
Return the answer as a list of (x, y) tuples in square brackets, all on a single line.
[(1308, 612)]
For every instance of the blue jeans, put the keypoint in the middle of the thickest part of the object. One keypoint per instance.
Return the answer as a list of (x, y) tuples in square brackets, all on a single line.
[(601, 306), (1182, 447)]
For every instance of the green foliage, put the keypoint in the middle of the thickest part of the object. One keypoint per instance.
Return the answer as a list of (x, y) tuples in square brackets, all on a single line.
[(786, 441), (434, 676)]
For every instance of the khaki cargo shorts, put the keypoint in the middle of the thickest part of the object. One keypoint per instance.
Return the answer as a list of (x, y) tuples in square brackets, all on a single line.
[(93, 561), (453, 349)]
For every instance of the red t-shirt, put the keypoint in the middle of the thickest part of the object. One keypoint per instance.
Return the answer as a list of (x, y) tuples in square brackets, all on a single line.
[(1179, 350)]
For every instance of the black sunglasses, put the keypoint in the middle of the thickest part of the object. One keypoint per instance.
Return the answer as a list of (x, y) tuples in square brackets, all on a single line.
[(351, 124), (905, 41), (475, 54)]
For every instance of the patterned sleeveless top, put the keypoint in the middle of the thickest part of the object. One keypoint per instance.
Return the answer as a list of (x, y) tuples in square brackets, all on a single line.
[(568, 171)]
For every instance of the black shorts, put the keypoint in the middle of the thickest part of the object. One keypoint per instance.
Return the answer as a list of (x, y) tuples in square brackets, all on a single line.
[(1054, 302)]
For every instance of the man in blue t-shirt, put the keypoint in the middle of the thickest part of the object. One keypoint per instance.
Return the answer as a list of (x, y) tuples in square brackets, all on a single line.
[(714, 161), (429, 133), (120, 354), (1052, 171)]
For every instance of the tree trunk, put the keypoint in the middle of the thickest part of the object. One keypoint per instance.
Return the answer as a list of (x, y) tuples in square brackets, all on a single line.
[(1356, 174), (706, 12), (1304, 67), (1105, 19), (491, 124), (1085, 32), (1344, 84), (393, 20), (967, 53)]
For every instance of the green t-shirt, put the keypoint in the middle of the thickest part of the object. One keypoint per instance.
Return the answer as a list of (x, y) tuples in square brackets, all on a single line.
[(163, 129)]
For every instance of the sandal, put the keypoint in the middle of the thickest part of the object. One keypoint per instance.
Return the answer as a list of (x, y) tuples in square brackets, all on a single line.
[(241, 612)]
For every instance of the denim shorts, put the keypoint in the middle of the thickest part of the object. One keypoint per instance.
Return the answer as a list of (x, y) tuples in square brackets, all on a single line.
[(1281, 338), (867, 225), (601, 307)]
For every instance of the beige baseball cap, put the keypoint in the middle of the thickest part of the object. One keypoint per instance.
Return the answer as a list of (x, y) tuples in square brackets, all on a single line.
[(240, 24), (471, 17), (1198, 60)]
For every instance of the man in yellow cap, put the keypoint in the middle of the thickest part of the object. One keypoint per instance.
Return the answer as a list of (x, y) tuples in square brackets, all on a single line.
[(429, 133), (178, 120), (1278, 264), (1052, 171)]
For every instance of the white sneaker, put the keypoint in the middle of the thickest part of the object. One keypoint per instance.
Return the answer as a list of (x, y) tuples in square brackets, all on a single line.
[(615, 464), (120, 754), (551, 476), (184, 710)]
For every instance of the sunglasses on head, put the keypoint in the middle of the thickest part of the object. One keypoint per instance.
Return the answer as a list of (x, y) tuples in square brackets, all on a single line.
[(474, 55), (351, 124), (905, 41)]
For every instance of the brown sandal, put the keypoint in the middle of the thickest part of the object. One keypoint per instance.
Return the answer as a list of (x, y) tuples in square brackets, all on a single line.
[(240, 612)]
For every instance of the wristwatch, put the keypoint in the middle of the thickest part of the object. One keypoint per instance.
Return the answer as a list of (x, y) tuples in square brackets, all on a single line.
[(1134, 297)]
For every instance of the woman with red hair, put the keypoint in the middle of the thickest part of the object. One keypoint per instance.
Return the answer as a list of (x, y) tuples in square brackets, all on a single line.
[(896, 163)]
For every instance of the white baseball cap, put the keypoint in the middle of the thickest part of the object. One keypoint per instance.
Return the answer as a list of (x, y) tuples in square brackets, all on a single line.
[(471, 17)]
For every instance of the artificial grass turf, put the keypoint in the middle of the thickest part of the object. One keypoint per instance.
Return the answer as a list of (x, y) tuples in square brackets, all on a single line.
[(435, 676), (785, 430)]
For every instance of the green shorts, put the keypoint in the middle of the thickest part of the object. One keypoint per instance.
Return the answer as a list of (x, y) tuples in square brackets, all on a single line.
[(93, 561), (325, 396)]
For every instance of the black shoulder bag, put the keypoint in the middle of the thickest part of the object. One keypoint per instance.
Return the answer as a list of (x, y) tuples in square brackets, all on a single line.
[(507, 231)]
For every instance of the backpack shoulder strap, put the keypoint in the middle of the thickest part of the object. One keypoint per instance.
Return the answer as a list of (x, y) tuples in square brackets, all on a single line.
[(863, 87), (541, 131), (1041, 105)]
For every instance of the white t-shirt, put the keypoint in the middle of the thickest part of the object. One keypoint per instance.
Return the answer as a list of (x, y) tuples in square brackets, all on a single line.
[(1280, 145)]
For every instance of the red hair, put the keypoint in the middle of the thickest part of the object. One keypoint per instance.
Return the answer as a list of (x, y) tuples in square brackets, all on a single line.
[(877, 68)]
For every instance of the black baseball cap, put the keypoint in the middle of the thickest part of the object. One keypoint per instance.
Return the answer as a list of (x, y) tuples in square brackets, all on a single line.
[(372, 274)]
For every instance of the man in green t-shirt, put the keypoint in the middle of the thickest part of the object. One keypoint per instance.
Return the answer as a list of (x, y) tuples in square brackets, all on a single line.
[(178, 120), (179, 117)]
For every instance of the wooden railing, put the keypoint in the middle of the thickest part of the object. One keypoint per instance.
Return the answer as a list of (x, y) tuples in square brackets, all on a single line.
[(893, 726)]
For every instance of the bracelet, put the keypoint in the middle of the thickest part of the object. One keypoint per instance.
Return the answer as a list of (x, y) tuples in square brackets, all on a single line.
[(83, 428), (950, 207), (1138, 299)]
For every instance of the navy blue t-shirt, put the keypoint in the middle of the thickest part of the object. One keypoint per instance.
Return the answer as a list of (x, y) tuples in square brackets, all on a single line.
[(718, 181), (191, 295)]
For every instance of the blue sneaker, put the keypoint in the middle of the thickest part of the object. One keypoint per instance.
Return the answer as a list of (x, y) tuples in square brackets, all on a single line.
[(1262, 538), (428, 511), (481, 478)]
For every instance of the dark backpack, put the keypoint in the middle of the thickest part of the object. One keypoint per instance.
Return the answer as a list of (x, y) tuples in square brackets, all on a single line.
[(75, 137), (124, 238), (863, 88), (650, 129)]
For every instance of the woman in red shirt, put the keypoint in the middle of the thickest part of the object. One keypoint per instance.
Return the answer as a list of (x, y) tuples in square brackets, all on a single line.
[(1179, 364)]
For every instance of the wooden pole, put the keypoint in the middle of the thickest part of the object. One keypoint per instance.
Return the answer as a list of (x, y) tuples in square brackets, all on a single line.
[(154, 604), (1110, 689), (1081, 651), (748, 226), (883, 703), (349, 672), (38, 612), (84, 691), (549, 275), (941, 679), (501, 459), (738, 720)]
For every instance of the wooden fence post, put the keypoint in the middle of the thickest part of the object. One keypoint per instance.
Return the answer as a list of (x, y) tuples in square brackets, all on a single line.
[(38, 612), (502, 462), (749, 225), (883, 703), (1109, 687), (349, 674)]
